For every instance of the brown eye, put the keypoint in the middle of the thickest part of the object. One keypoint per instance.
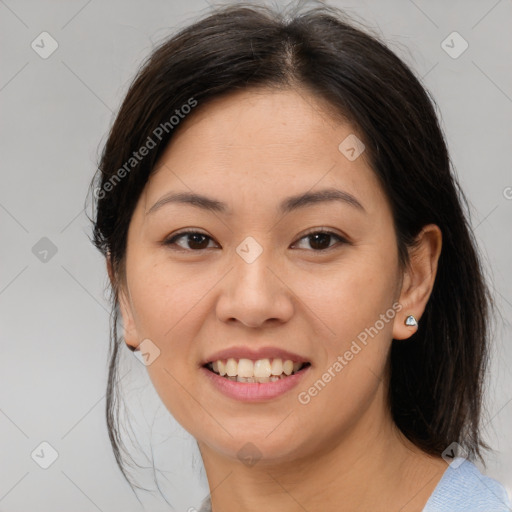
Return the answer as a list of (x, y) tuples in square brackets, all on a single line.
[(193, 240), (321, 240)]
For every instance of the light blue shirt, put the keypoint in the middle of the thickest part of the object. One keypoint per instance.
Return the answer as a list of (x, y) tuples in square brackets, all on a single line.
[(462, 488)]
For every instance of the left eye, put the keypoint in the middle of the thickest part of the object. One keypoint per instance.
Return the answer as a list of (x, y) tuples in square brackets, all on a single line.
[(196, 241), (319, 240)]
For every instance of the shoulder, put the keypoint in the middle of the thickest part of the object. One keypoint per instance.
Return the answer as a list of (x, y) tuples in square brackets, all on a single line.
[(463, 488)]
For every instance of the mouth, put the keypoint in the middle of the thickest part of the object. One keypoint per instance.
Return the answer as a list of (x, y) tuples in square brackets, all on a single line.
[(256, 371)]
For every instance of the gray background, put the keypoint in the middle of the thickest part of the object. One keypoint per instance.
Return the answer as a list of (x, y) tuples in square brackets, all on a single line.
[(53, 307)]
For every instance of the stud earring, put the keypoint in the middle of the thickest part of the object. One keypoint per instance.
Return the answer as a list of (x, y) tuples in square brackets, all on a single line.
[(410, 320)]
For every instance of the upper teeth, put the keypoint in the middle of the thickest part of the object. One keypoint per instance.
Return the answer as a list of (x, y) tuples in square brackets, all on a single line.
[(259, 368)]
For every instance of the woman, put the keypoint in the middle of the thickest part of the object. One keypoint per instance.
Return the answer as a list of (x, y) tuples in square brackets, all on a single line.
[(288, 250)]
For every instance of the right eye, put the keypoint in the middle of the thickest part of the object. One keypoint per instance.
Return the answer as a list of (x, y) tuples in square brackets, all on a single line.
[(195, 240)]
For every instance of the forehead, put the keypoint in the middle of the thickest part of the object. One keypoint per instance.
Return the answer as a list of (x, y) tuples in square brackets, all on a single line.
[(280, 123), (266, 142)]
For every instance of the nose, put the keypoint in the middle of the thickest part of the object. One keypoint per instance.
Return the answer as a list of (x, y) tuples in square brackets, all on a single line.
[(255, 293)]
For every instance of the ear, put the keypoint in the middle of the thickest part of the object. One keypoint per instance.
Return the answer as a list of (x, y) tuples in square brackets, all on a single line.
[(125, 306), (418, 279)]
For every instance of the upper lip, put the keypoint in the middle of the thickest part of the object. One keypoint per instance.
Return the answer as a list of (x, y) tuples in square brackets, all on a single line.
[(241, 352)]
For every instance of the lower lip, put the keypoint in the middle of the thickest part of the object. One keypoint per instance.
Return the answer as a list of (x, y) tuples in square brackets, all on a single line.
[(254, 391)]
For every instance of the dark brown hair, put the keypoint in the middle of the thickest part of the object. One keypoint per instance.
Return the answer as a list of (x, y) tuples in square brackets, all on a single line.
[(437, 376)]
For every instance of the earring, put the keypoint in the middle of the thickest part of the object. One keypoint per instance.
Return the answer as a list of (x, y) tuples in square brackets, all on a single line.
[(410, 320)]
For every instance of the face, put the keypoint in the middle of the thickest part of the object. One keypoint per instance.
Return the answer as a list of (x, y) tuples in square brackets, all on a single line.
[(257, 274)]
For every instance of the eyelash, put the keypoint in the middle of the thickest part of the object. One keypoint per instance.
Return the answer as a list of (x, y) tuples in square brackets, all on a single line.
[(171, 241)]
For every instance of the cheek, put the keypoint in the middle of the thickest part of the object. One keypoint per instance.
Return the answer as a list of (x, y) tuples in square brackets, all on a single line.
[(356, 304), (169, 305), (166, 300), (350, 295), (350, 381)]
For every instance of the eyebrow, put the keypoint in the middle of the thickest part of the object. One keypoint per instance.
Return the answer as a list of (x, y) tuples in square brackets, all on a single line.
[(290, 204)]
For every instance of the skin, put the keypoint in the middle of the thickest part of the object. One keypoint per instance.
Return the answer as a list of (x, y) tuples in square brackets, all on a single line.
[(341, 451)]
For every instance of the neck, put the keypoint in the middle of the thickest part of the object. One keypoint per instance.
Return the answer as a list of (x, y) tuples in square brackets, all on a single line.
[(370, 467)]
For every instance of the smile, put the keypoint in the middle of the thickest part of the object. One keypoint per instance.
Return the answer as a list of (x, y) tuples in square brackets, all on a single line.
[(251, 371)]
